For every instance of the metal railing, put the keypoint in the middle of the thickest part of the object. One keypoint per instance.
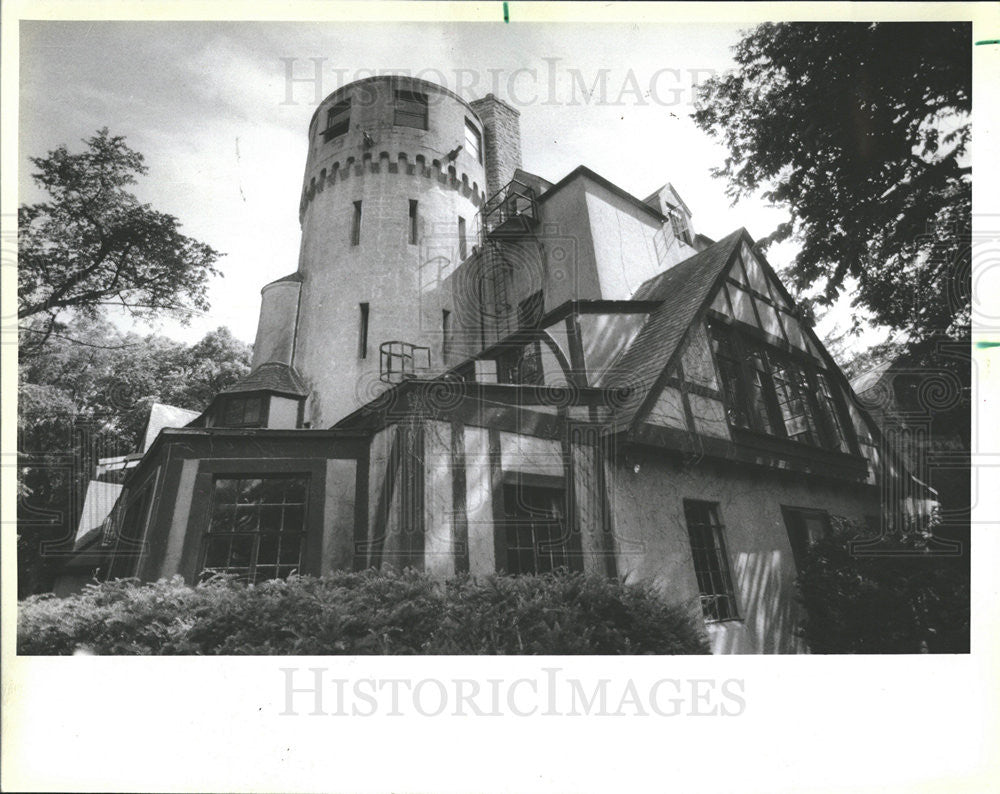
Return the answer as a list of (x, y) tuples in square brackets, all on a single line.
[(399, 361), (513, 200)]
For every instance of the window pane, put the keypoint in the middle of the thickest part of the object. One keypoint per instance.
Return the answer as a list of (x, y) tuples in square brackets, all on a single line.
[(217, 554), (225, 491), (267, 551), (711, 565), (290, 548)]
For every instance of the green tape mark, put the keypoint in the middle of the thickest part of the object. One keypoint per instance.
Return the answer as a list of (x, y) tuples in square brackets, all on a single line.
[(984, 41), (986, 345), (506, 13)]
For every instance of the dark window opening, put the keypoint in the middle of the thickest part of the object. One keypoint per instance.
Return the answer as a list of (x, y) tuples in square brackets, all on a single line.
[(338, 120), (413, 222), (805, 526), (356, 224), (473, 141), (243, 411), (445, 332), (257, 527), (363, 330), (535, 537), (772, 392), (521, 365), (410, 110), (711, 561), (463, 250), (128, 537)]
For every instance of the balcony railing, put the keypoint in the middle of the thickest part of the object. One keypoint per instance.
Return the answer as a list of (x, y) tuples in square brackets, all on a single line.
[(399, 361), (512, 208)]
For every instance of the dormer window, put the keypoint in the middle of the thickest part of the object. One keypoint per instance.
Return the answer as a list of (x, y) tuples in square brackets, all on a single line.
[(243, 411), (338, 120), (679, 224)]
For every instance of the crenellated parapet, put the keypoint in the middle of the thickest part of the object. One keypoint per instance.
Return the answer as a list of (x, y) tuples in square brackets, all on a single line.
[(445, 175)]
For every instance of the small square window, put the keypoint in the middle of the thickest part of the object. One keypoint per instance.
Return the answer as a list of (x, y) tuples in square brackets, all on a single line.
[(338, 120)]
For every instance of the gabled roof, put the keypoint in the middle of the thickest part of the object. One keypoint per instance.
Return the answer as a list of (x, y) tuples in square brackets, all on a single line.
[(651, 198), (272, 376), (97, 506), (684, 289), (581, 171), (162, 415)]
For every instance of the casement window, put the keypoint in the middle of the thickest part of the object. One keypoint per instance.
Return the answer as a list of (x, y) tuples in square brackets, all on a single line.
[(128, 530), (362, 330), (413, 222), (679, 224), (805, 526), (768, 390), (463, 248), (257, 527), (410, 110), (534, 532), (356, 224), (711, 560), (338, 120), (473, 141), (244, 411), (521, 365)]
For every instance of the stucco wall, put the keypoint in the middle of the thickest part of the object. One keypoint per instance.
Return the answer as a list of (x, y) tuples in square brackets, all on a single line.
[(648, 495), (279, 304)]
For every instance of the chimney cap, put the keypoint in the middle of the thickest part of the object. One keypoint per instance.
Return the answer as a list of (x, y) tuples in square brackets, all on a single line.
[(476, 103)]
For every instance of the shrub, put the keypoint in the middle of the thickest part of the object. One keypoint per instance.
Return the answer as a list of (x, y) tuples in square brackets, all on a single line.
[(902, 600), (362, 613)]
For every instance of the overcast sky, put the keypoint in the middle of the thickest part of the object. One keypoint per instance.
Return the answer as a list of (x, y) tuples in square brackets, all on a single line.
[(208, 105)]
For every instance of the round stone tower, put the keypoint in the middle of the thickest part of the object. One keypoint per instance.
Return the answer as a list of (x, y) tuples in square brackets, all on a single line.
[(394, 180)]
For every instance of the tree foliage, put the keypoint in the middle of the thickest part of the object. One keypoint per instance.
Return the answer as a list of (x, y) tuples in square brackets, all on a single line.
[(861, 131), (92, 243), (86, 395)]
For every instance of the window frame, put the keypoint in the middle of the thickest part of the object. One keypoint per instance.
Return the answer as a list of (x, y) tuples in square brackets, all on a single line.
[(403, 117), (231, 400), (709, 594), (356, 224), (257, 535), (477, 150), (801, 545), (364, 318), (514, 491), (333, 131), (830, 433), (414, 216)]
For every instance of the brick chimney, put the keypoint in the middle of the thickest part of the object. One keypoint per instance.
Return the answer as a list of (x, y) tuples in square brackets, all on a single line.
[(503, 140)]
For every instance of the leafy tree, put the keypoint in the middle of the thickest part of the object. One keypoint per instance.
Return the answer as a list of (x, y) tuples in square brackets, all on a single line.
[(81, 401), (92, 243), (861, 130)]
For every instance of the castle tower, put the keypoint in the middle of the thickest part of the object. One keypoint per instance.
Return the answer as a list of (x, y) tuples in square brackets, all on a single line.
[(393, 183)]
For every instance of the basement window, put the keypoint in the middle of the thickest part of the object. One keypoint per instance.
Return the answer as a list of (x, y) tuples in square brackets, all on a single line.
[(338, 120), (410, 110), (257, 527), (711, 560)]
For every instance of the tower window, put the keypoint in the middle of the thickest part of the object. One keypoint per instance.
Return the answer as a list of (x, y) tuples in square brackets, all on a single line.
[(410, 110), (338, 120), (463, 250), (356, 224), (363, 331), (473, 141), (413, 221), (711, 561), (445, 332)]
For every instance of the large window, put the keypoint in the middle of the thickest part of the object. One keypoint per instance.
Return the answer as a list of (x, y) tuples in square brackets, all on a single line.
[(410, 110), (773, 392), (473, 141), (257, 526), (711, 561), (805, 526), (535, 537), (338, 120)]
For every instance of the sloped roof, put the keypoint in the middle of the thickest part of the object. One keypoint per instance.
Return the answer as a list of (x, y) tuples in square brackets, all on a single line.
[(97, 506), (272, 376), (296, 276), (684, 289), (161, 416)]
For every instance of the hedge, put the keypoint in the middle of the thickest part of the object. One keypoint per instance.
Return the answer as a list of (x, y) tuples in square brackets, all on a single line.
[(362, 613)]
